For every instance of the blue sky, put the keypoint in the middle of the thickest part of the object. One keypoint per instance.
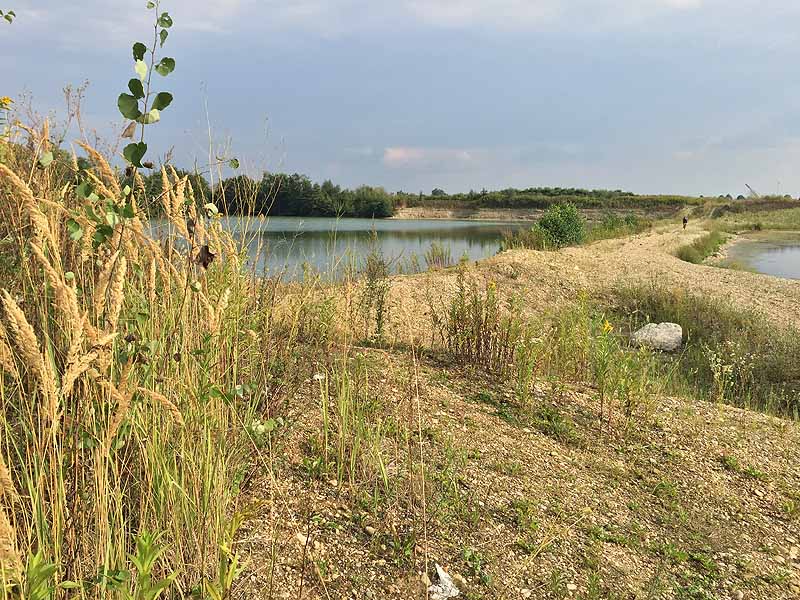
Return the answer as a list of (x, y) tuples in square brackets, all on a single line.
[(655, 96)]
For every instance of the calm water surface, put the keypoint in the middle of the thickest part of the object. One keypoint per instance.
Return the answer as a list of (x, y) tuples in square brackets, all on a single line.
[(777, 255), (291, 245)]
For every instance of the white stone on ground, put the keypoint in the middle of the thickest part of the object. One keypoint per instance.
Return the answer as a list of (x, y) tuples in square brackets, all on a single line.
[(659, 336)]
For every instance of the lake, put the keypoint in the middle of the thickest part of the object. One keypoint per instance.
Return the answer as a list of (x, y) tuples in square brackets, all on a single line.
[(290, 245), (771, 254)]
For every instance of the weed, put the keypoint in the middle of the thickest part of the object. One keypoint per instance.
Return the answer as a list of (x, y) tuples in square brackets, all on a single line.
[(476, 563), (438, 256), (477, 331), (702, 248), (375, 292), (731, 355)]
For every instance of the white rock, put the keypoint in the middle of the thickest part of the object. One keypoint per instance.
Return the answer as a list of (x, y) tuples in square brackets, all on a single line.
[(659, 336), (445, 589)]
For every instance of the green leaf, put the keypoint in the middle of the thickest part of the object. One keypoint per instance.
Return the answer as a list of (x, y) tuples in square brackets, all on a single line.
[(69, 585), (165, 20), (154, 116), (112, 218), (84, 189), (129, 107), (136, 88), (141, 69), (75, 230), (151, 5), (133, 153), (138, 51), (233, 163), (163, 35), (45, 159), (165, 67), (162, 100)]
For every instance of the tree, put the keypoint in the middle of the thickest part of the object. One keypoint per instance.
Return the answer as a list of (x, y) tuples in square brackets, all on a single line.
[(438, 192)]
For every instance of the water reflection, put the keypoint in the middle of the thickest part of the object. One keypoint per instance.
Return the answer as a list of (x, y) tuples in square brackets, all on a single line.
[(290, 245), (777, 256)]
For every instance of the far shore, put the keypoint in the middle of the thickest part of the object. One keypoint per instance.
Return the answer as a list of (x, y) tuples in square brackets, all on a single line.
[(513, 214)]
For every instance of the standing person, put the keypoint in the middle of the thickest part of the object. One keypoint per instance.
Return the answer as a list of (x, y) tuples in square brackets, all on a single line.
[(685, 222)]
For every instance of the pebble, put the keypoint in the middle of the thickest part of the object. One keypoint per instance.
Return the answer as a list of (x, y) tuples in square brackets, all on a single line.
[(460, 582), (571, 587), (794, 553), (738, 595), (526, 593), (370, 530)]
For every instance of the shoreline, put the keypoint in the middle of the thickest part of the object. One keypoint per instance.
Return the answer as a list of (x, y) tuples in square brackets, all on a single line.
[(518, 214), (739, 250)]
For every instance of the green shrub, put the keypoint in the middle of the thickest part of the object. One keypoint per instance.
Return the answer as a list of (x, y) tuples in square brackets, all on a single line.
[(563, 225), (701, 248)]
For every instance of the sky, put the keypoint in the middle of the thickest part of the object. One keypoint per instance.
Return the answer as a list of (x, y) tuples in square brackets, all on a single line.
[(652, 96)]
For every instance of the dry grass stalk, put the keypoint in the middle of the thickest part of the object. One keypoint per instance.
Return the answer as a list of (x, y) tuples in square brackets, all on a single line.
[(38, 219), (151, 281), (116, 294), (28, 349), (123, 402), (6, 357), (10, 560), (165, 403), (66, 299), (105, 169), (100, 187), (101, 286), (75, 369), (7, 487)]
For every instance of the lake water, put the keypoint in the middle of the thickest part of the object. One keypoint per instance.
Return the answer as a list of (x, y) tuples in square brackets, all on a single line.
[(770, 254), (290, 245)]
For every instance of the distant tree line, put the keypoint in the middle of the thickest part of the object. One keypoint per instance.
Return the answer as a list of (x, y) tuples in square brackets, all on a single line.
[(538, 198), (281, 194)]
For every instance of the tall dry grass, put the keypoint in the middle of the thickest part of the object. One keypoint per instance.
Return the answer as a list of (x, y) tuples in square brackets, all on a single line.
[(123, 425)]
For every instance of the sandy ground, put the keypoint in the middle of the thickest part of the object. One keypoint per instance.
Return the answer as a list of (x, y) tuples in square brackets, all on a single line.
[(696, 502), (544, 280)]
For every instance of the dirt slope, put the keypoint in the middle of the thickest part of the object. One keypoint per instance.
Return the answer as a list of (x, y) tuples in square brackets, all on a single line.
[(546, 279), (699, 501)]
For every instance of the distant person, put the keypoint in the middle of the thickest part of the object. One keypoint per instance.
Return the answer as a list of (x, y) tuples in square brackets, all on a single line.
[(685, 222)]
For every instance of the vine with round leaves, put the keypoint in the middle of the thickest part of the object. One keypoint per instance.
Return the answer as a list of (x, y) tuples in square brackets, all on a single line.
[(142, 106)]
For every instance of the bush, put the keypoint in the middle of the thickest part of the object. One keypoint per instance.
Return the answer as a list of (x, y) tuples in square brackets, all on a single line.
[(563, 225)]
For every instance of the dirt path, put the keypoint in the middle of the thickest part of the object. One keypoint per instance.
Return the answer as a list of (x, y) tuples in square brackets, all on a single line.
[(546, 279)]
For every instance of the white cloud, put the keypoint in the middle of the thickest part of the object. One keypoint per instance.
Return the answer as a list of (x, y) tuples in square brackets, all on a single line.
[(114, 21), (403, 157), (511, 14)]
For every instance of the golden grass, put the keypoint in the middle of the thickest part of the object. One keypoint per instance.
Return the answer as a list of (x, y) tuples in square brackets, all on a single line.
[(115, 417)]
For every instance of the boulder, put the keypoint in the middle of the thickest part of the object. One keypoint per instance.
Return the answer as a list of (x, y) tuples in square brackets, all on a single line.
[(659, 336)]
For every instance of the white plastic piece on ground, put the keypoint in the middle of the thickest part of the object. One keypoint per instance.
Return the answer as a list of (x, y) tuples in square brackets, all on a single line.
[(445, 588), (662, 336)]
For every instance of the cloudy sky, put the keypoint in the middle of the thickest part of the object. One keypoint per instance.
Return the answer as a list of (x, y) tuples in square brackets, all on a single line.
[(656, 96)]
